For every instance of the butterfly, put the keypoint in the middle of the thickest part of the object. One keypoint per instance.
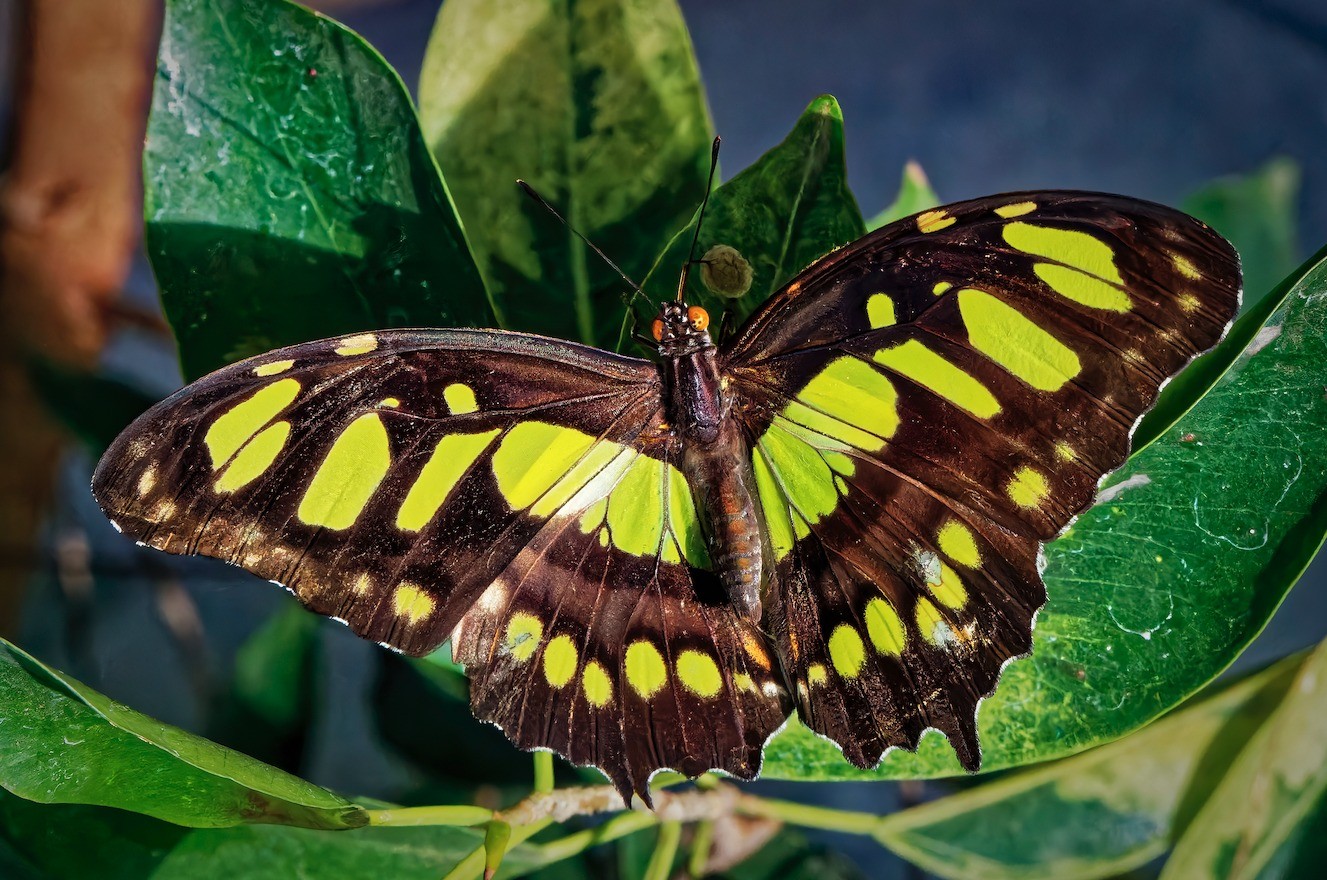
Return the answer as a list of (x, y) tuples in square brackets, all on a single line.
[(652, 563)]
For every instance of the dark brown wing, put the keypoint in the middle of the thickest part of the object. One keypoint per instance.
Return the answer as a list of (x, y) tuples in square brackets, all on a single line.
[(929, 404)]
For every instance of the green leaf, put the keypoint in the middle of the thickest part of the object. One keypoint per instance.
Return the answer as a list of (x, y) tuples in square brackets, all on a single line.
[(914, 196), (1258, 213), (93, 407), (66, 743), (1097, 814), (1160, 586), (289, 193), (78, 842), (787, 210), (268, 708), (598, 105), (1277, 783)]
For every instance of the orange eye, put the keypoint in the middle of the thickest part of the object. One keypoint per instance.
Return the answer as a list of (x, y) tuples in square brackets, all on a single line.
[(699, 318), (656, 330)]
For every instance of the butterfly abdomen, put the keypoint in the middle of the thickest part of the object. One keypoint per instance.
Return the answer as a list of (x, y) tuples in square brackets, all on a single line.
[(721, 481)]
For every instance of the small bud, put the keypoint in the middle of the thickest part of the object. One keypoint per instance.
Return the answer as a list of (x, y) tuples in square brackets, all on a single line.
[(725, 271)]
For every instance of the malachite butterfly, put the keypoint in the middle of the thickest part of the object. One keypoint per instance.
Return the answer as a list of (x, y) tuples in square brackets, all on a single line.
[(652, 563)]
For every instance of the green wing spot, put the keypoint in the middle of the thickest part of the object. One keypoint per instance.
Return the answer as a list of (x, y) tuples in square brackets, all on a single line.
[(646, 672), (536, 455), (451, 459), (1083, 288), (777, 524), (846, 651), (254, 458), (683, 523), (928, 369), (699, 674), (542, 468), (1073, 248), (1015, 342), (560, 659), (636, 508), (806, 479), (348, 476), (884, 627), (460, 398), (850, 401), (234, 427)]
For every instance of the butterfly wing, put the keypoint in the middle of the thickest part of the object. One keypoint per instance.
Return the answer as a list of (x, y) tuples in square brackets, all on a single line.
[(406, 482), (669, 674), (930, 404)]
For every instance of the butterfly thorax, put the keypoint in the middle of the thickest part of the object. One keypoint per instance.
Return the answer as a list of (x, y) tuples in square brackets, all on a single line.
[(715, 458)]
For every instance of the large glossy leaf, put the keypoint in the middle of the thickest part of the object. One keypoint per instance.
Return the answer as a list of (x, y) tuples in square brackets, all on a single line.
[(1253, 822), (598, 104), (289, 193), (78, 842), (791, 207), (1258, 213), (1161, 585), (65, 743), (914, 196), (1097, 814)]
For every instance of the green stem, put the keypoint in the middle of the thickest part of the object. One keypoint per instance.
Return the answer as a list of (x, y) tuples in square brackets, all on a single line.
[(574, 844), (665, 851), (472, 866), (443, 815), (543, 772), (700, 848), (846, 821)]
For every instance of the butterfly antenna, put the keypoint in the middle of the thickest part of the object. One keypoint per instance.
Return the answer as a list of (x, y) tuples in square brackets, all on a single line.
[(695, 236), (530, 191)]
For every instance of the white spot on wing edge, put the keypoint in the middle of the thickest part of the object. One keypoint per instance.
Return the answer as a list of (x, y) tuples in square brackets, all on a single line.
[(1113, 492), (1262, 339)]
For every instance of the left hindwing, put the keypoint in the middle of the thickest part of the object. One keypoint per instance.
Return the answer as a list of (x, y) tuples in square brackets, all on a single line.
[(927, 406)]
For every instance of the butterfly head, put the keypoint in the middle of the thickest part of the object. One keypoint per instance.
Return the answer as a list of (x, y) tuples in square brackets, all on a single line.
[(681, 329)]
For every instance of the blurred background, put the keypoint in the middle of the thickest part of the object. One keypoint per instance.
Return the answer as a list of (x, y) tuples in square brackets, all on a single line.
[(1151, 100)]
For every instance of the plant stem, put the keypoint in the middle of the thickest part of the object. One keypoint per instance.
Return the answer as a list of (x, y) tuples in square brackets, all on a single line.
[(573, 844), (472, 866), (700, 848), (439, 815), (665, 851), (806, 816), (543, 772)]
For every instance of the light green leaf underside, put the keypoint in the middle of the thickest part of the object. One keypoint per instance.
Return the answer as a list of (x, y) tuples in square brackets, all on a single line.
[(1097, 814), (1252, 822), (1153, 592)]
